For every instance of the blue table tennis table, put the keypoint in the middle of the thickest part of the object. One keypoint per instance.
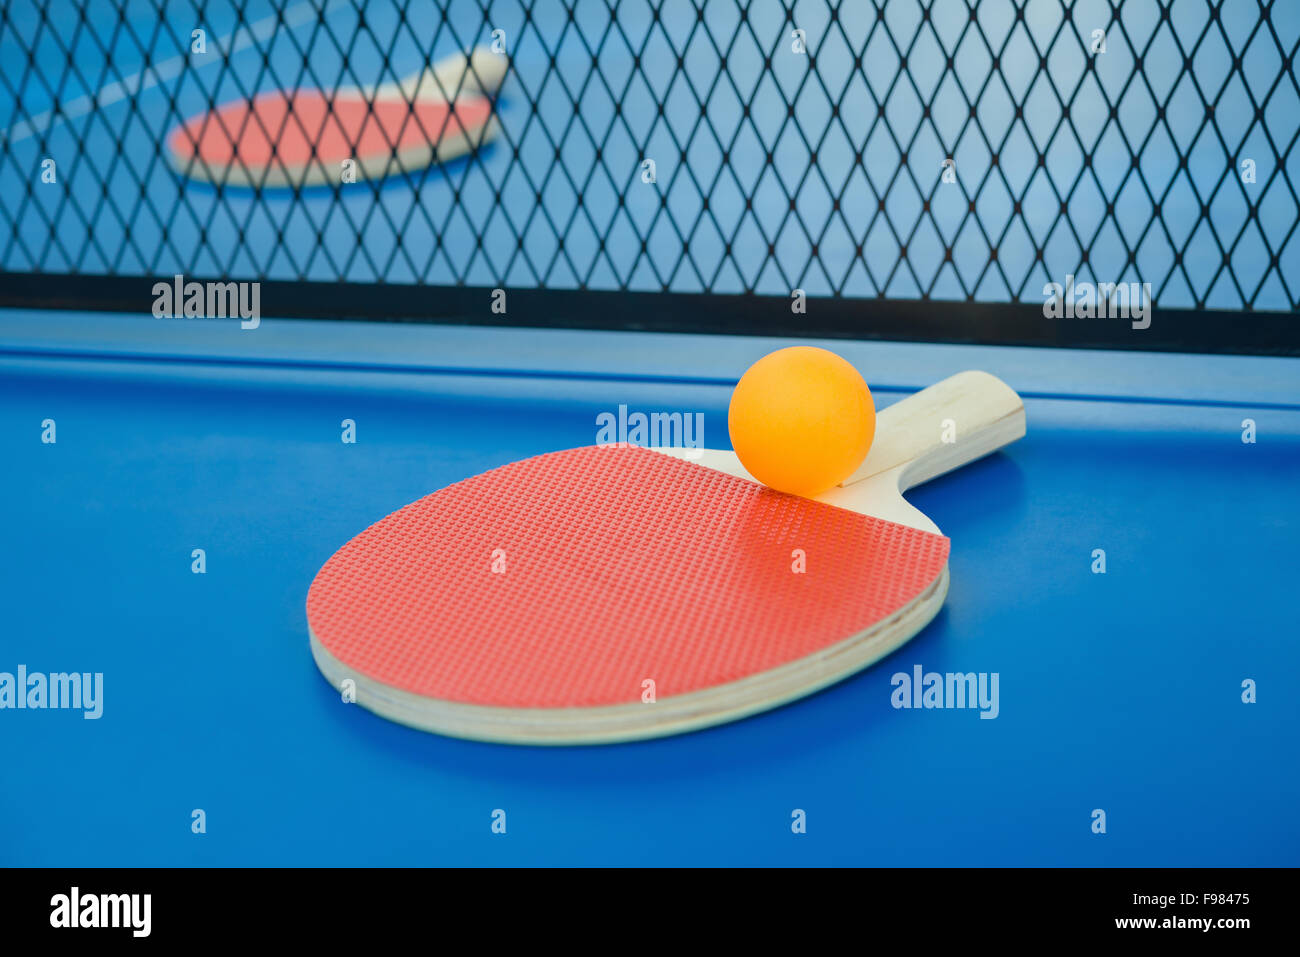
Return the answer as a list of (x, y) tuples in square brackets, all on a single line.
[(1158, 691), (785, 170)]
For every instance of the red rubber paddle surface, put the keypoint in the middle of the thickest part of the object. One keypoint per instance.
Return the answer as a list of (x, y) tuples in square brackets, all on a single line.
[(620, 564), (286, 127)]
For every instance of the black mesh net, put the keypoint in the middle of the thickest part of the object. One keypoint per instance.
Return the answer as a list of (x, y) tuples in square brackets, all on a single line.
[(911, 150)]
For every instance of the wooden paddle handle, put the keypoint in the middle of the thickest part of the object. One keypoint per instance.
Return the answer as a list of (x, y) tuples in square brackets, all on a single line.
[(454, 76), (953, 422), (480, 73)]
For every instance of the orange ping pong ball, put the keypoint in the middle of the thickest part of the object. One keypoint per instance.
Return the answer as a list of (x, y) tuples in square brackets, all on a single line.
[(801, 420)]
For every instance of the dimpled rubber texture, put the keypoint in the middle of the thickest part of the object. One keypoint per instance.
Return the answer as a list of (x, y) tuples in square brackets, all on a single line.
[(306, 126), (620, 564)]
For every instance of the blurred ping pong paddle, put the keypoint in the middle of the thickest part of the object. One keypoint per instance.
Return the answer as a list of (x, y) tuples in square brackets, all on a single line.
[(542, 602), (302, 137)]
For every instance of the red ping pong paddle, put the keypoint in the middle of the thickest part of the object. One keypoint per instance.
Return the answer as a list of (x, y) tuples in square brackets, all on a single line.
[(613, 593), (302, 137)]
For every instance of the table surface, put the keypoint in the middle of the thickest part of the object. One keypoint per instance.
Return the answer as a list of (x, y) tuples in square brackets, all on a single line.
[(1120, 691)]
